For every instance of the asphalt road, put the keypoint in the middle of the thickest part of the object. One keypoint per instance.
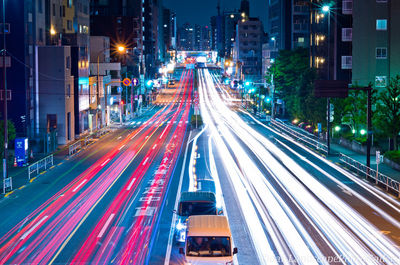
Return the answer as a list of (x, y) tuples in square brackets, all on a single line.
[(113, 202)]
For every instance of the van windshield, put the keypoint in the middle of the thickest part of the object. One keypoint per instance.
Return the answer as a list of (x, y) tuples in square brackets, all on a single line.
[(197, 208), (208, 246)]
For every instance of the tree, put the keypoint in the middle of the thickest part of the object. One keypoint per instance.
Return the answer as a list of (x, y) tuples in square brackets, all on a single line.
[(11, 134), (293, 80), (388, 110)]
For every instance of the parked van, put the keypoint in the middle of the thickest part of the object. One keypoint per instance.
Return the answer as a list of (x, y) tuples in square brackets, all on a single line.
[(208, 241), (194, 203)]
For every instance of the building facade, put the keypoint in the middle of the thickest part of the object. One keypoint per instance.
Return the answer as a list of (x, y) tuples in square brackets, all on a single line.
[(376, 41), (248, 47)]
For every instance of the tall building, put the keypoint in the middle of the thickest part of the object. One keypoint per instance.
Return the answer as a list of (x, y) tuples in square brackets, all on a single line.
[(27, 33), (186, 37), (245, 7), (376, 41), (288, 23), (248, 47), (78, 39), (331, 40), (201, 38), (122, 22)]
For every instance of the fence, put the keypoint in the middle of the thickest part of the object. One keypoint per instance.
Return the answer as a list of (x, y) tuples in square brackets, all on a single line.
[(300, 136), (367, 172), (73, 148), (40, 165)]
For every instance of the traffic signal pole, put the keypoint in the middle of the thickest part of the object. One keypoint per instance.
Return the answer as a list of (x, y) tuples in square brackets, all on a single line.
[(328, 127)]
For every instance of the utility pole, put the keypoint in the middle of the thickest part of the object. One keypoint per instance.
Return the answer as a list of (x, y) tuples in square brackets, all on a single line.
[(5, 172)]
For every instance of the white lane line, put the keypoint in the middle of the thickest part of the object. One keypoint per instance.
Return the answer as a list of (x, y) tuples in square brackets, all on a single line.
[(83, 182), (172, 230), (145, 161), (105, 162), (154, 146), (106, 225), (130, 184), (33, 228), (121, 147), (119, 137)]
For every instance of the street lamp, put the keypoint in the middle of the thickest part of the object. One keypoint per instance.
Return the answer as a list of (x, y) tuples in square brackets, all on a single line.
[(120, 49), (327, 9)]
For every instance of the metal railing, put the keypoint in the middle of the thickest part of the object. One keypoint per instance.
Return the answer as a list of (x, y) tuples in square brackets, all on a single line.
[(101, 132), (40, 165), (73, 148), (300, 137), (367, 172), (87, 139)]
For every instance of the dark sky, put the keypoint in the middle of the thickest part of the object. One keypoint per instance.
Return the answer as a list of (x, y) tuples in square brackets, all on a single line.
[(200, 11)]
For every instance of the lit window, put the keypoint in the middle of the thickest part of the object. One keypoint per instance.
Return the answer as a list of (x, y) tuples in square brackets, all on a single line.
[(347, 62), (380, 81), (381, 24), (300, 39), (381, 53)]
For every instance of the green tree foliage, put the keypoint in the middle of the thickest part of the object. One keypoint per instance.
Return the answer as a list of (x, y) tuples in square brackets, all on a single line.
[(388, 110), (293, 80), (11, 134)]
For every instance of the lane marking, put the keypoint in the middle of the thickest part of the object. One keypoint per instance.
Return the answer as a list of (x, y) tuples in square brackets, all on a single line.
[(80, 185), (121, 147), (131, 184), (145, 161), (8, 194), (105, 162), (33, 228), (154, 146), (106, 225), (20, 188), (32, 179)]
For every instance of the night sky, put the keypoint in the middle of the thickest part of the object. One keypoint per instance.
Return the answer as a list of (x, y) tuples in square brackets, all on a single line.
[(200, 11)]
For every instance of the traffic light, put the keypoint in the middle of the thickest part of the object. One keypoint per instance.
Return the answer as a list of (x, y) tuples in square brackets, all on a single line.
[(268, 99), (149, 83), (247, 84)]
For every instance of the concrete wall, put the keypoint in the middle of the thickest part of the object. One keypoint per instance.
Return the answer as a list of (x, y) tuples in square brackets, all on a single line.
[(56, 88)]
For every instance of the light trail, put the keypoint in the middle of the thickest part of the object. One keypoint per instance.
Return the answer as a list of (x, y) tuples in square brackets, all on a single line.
[(356, 242)]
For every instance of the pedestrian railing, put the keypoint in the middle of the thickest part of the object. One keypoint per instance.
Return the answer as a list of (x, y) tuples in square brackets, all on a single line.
[(369, 173), (87, 139), (101, 132), (73, 148), (41, 165), (300, 136)]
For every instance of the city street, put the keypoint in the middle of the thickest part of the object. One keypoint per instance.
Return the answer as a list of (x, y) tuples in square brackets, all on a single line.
[(114, 202)]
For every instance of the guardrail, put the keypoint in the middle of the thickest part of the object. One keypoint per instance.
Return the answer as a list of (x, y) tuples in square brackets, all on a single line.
[(367, 172), (73, 148), (40, 165), (300, 137)]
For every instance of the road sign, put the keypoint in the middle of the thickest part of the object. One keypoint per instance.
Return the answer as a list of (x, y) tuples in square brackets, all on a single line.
[(378, 157), (135, 81), (126, 82)]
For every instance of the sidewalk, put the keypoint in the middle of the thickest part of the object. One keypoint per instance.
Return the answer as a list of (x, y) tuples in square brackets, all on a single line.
[(362, 158), (20, 176)]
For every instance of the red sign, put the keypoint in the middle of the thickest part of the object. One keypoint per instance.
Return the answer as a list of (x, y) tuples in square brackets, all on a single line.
[(126, 82)]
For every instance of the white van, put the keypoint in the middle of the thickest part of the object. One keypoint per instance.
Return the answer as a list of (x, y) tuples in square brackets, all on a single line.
[(208, 241)]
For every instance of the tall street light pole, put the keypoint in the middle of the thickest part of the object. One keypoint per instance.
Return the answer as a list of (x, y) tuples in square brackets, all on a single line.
[(327, 9), (5, 172), (120, 49)]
